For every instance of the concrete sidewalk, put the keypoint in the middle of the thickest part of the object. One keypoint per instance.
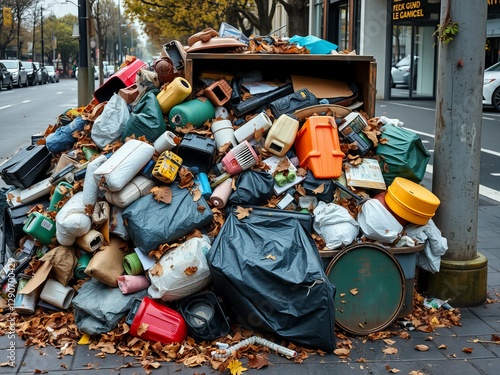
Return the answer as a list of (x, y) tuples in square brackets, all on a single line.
[(478, 323)]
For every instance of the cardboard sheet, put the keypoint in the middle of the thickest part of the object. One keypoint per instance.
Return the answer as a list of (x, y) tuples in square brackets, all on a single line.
[(321, 87)]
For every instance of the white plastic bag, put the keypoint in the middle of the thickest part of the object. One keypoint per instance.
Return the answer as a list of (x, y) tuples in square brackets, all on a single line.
[(181, 271), (335, 225), (90, 186), (124, 164), (71, 221), (108, 127), (377, 223), (435, 245)]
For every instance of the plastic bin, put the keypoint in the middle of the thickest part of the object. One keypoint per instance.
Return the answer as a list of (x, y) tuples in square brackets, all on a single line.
[(318, 147), (407, 258), (123, 78), (197, 151)]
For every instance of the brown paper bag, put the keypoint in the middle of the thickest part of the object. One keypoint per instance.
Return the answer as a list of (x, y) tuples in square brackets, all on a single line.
[(107, 263), (63, 261)]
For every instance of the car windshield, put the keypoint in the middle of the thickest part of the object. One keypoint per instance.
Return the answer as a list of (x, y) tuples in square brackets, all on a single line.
[(494, 68), (50, 68), (26, 65), (37, 65), (10, 64)]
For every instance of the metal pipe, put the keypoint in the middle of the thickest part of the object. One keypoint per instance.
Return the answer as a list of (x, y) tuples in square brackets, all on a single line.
[(83, 62)]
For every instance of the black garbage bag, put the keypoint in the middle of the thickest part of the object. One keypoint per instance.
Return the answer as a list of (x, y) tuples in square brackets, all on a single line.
[(253, 188), (98, 307), (311, 183), (146, 119), (150, 223), (269, 272)]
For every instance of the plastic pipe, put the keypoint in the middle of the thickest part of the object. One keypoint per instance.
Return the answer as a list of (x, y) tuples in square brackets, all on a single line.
[(225, 351)]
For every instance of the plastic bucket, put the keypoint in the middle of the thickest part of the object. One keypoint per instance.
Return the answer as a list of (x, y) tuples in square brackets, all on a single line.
[(57, 294), (223, 133)]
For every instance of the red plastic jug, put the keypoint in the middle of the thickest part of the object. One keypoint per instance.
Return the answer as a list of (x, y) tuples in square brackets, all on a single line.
[(153, 321)]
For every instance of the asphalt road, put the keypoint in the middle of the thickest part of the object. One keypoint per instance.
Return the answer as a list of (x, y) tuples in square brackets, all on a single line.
[(419, 116), (30, 110)]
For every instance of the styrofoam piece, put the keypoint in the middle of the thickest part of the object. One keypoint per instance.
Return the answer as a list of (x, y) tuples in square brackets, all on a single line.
[(124, 164)]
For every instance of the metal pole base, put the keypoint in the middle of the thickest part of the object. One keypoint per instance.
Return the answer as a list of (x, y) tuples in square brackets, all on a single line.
[(463, 282)]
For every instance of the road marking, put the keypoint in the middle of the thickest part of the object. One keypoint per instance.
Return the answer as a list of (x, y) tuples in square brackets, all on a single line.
[(495, 174), (433, 109), (483, 190), (26, 101), (6, 106), (59, 93)]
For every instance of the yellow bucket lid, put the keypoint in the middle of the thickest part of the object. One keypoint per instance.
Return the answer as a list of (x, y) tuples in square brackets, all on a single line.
[(411, 201)]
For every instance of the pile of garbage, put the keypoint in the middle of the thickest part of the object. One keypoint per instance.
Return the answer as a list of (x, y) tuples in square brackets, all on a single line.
[(172, 212)]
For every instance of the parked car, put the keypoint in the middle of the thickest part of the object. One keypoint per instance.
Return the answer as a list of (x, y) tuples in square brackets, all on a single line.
[(17, 71), (42, 74), (6, 79), (109, 70), (96, 73), (31, 72), (400, 72), (491, 87), (53, 73)]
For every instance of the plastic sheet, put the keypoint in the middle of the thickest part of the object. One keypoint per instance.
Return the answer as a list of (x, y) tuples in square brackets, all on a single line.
[(146, 119), (150, 223), (98, 308), (108, 127), (252, 188), (334, 223), (269, 271)]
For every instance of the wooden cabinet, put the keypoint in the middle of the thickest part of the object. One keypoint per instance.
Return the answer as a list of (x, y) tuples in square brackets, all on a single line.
[(361, 69)]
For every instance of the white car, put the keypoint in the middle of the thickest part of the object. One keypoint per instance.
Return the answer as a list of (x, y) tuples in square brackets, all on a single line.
[(96, 73), (491, 86)]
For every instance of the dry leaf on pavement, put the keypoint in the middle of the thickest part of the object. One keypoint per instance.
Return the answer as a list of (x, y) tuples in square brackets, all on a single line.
[(467, 350), (257, 361), (442, 346), (235, 367), (421, 348), (342, 352), (390, 350)]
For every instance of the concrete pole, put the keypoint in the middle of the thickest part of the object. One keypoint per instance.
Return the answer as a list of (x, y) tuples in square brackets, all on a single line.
[(83, 62), (457, 153)]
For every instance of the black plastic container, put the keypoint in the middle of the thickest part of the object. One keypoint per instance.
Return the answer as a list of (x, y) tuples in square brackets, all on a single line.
[(197, 151), (27, 166)]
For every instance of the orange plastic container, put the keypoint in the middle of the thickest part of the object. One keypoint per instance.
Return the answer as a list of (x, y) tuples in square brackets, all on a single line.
[(318, 147), (411, 201)]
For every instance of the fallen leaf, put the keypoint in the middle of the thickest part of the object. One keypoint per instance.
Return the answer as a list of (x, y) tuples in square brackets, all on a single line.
[(354, 291), (270, 256), (162, 194), (390, 350), (37, 371), (64, 365), (404, 335), (235, 367), (392, 370), (320, 189), (257, 361), (442, 346), (191, 270), (421, 348), (143, 327), (242, 212), (389, 341), (416, 372), (201, 208), (453, 355), (342, 352), (467, 350), (342, 294), (156, 270), (495, 337)]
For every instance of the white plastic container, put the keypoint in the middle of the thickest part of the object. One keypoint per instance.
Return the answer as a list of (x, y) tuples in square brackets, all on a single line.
[(247, 131), (57, 294), (223, 133), (165, 142), (281, 135)]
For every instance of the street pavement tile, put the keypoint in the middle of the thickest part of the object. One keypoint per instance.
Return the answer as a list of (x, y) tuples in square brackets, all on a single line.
[(5, 341), (85, 358), (494, 279), (487, 366), (495, 264), (489, 253), (488, 343), (472, 325), (487, 310), (457, 367), (5, 357), (44, 359), (455, 348)]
